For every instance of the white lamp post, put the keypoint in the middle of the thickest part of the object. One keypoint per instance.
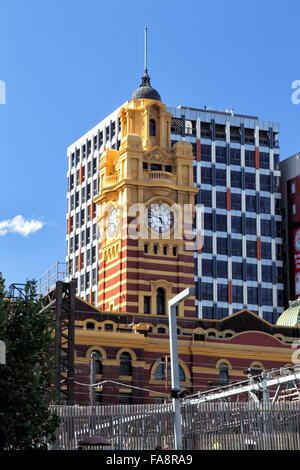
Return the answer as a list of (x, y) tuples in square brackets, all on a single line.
[(172, 304)]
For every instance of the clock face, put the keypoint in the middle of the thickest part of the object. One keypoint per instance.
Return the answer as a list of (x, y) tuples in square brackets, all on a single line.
[(112, 223), (160, 218)]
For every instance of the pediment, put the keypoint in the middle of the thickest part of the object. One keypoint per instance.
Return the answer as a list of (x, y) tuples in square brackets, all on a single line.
[(157, 155)]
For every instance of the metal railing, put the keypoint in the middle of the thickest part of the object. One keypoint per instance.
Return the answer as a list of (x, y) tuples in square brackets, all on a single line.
[(209, 426), (47, 281)]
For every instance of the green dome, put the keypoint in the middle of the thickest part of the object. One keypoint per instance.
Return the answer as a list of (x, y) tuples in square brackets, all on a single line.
[(291, 316)]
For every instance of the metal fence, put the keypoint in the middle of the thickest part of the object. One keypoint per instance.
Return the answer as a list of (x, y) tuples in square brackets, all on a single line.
[(205, 426)]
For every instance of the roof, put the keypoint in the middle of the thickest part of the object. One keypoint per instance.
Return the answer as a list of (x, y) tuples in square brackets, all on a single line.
[(145, 90), (291, 316)]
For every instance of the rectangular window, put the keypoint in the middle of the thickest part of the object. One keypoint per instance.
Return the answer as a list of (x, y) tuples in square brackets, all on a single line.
[(220, 132), (265, 207), (236, 224), (237, 294), (251, 249), (207, 312), (236, 247), (235, 157), (264, 160), (207, 245), (205, 197), (222, 292), (237, 271), (249, 136), (147, 302), (250, 203), (266, 272), (249, 180), (222, 246), (206, 175), (265, 183), (221, 200), (266, 228), (221, 154), (206, 152), (250, 226), (251, 272), (207, 290), (266, 250), (222, 269), (207, 221), (252, 295), (250, 158), (221, 223), (220, 177), (205, 130), (235, 134), (236, 181), (267, 296), (236, 202), (207, 267)]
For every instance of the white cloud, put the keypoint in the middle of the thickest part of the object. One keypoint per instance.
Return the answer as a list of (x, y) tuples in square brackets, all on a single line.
[(19, 225)]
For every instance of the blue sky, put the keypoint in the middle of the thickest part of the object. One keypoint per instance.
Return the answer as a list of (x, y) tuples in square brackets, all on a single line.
[(67, 64)]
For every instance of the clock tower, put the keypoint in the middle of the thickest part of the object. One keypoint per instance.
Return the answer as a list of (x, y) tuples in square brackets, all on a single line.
[(145, 210)]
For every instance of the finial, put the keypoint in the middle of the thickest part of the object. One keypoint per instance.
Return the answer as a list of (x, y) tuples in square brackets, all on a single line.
[(145, 58)]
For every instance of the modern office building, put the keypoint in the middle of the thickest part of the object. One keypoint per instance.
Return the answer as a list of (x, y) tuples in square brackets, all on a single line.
[(290, 188), (235, 170)]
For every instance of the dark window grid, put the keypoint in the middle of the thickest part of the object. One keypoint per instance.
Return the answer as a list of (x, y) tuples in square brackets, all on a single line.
[(266, 250), (266, 228), (264, 160), (236, 202), (267, 296), (265, 183), (222, 269), (207, 291), (235, 179), (252, 294), (221, 200), (237, 271), (207, 267), (237, 294), (251, 249), (250, 203), (250, 158), (235, 156), (251, 272), (222, 246), (251, 226), (236, 224), (236, 247), (221, 155), (222, 292), (220, 177), (249, 180), (206, 175), (265, 205), (206, 152), (221, 223)]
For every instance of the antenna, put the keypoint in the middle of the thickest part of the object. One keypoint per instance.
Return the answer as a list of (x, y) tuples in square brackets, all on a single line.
[(145, 60)]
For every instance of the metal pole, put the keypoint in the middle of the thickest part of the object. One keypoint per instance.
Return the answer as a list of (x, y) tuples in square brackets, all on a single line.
[(172, 304)]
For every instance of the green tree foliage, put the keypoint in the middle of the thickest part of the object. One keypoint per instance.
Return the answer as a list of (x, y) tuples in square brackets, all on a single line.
[(27, 377)]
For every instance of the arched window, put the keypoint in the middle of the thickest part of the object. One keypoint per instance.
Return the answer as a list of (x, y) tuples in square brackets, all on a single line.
[(97, 358), (160, 371), (160, 301), (125, 364), (223, 373), (152, 127), (90, 325)]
